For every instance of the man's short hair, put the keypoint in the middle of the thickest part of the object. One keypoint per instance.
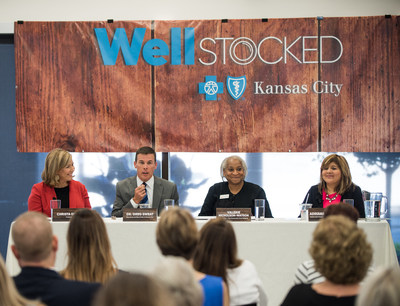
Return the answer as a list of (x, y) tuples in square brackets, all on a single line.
[(32, 235), (145, 151)]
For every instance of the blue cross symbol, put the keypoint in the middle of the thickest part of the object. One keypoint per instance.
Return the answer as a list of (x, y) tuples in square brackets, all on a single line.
[(211, 88)]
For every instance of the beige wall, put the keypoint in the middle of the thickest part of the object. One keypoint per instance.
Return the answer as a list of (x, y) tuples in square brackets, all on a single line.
[(74, 10)]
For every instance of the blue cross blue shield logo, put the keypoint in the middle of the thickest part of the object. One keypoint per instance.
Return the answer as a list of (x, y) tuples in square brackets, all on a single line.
[(211, 87), (236, 86)]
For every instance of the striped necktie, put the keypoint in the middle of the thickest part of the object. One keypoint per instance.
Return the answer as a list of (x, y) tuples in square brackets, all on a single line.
[(145, 199)]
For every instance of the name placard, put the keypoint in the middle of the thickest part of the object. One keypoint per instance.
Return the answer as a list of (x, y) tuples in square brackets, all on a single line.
[(139, 214), (315, 214), (63, 214), (234, 214)]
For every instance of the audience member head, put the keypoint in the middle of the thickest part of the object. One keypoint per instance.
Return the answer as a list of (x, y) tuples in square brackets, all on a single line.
[(340, 250), (382, 288), (133, 289), (9, 295), (56, 160), (178, 276), (342, 209), (89, 248), (34, 242), (177, 233), (345, 181), (217, 248), (231, 163)]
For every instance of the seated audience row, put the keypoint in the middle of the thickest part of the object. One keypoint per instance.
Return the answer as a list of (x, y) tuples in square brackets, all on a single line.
[(200, 268), (335, 185)]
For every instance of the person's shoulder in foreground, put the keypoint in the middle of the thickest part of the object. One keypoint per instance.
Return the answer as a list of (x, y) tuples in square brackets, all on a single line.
[(304, 295), (51, 288), (35, 248)]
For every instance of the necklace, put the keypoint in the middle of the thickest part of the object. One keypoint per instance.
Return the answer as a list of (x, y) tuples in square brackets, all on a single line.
[(327, 198)]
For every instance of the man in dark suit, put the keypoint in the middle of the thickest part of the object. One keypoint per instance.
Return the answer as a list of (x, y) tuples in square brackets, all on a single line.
[(143, 187), (35, 248)]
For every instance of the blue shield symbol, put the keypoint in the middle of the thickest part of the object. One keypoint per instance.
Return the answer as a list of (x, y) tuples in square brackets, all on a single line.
[(236, 86)]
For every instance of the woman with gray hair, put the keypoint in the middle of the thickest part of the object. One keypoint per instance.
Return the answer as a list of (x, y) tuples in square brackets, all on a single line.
[(381, 289), (235, 192), (179, 277)]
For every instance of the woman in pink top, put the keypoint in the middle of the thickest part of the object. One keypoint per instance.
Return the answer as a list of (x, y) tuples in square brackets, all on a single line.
[(335, 185), (58, 184)]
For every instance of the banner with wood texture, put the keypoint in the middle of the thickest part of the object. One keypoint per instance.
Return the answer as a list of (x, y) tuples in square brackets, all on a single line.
[(272, 85)]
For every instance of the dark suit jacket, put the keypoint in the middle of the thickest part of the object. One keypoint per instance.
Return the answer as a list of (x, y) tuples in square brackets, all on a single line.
[(52, 289), (315, 198), (125, 191)]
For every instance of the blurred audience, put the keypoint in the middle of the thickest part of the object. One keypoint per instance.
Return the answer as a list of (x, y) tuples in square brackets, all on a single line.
[(335, 185), (235, 192), (216, 254), (35, 248), (89, 249), (342, 255), (178, 276), (177, 235), (58, 184), (9, 296), (133, 289), (381, 289)]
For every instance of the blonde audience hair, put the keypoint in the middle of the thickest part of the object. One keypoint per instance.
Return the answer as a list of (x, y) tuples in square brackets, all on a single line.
[(133, 289), (9, 295), (89, 249), (177, 233), (178, 276), (345, 180), (382, 288), (55, 161), (340, 250), (32, 235)]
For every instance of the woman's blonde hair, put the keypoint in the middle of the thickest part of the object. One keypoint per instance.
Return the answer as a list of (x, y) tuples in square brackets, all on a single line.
[(89, 249), (55, 161), (9, 295), (340, 250), (345, 180), (177, 233)]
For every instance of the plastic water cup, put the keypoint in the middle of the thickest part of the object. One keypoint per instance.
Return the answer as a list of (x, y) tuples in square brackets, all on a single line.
[(259, 209), (304, 211), (54, 204), (168, 203)]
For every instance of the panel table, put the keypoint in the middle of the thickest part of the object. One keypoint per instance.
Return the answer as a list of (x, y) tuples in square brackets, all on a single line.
[(275, 246)]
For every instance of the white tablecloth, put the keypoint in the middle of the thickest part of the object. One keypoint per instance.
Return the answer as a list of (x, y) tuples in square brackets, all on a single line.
[(275, 246)]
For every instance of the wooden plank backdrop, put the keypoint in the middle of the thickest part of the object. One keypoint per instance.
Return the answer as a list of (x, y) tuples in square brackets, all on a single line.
[(365, 117), (185, 121), (67, 98)]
